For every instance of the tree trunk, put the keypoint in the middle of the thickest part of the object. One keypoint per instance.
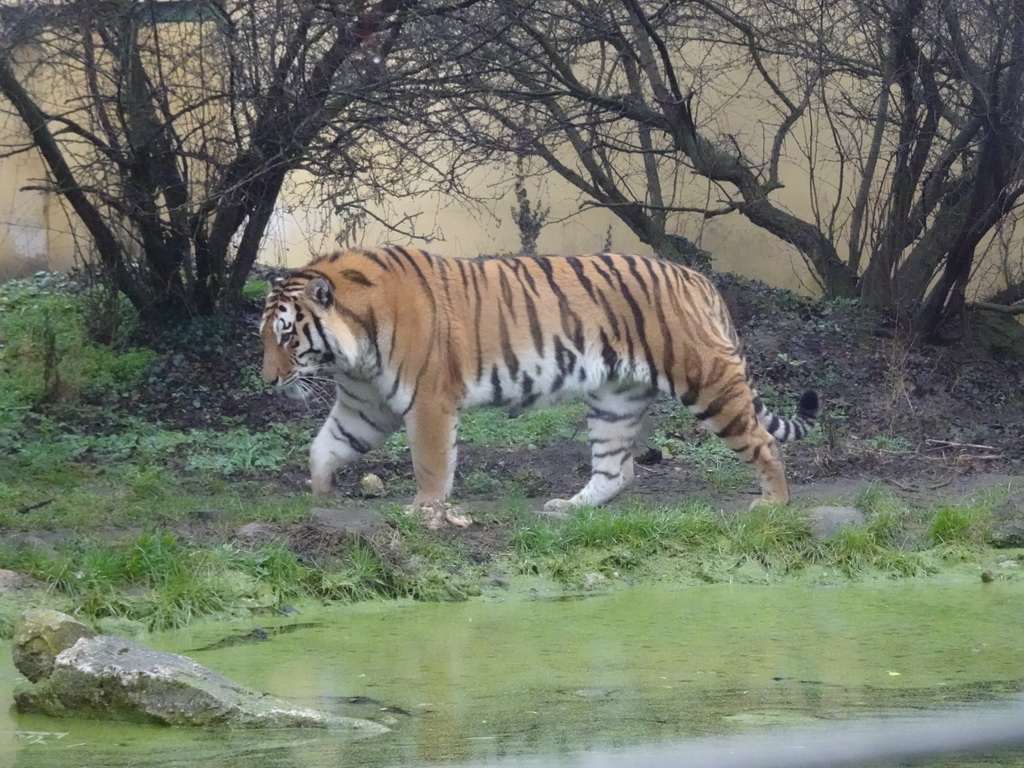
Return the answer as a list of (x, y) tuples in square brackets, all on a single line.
[(111, 253)]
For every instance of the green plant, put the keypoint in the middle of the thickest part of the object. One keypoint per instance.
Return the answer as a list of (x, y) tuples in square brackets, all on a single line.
[(640, 527), (538, 539), (886, 514), (771, 534), (960, 525), (480, 482), (494, 428), (857, 549), (255, 290), (47, 351), (782, 357), (887, 443), (713, 458)]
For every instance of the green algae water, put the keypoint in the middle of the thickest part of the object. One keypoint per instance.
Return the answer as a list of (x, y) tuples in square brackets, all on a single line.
[(478, 682)]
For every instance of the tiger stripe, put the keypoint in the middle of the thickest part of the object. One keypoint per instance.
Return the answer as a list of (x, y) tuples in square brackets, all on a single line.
[(411, 337)]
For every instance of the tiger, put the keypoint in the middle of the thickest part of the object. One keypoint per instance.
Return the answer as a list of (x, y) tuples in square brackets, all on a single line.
[(412, 338)]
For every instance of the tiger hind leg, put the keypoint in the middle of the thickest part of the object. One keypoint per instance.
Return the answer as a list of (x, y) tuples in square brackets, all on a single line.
[(614, 416), (734, 419)]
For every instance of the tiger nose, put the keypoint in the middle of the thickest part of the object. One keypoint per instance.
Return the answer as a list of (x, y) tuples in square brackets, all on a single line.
[(271, 376)]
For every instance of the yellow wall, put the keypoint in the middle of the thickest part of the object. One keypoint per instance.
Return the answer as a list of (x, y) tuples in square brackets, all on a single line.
[(34, 232), (736, 245)]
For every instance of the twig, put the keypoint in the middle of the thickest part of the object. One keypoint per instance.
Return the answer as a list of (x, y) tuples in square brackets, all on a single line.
[(953, 444), (932, 487)]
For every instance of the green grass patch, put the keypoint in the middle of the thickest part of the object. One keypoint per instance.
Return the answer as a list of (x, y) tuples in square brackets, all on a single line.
[(712, 456), (160, 583), (887, 516), (612, 542), (46, 353), (965, 525), (492, 427), (773, 535), (861, 550)]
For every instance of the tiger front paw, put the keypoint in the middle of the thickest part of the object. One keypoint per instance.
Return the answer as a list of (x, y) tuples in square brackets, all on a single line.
[(439, 514)]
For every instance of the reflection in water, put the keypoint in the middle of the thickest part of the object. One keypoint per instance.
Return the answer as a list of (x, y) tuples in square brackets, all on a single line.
[(484, 680)]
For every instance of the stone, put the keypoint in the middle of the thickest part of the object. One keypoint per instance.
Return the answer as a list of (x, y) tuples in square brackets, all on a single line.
[(10, 580), (371, 486), (110, 678), (257, 534), (1007, 530), (358, 522), (827, 521), (26, 541), (40, 636), (1008, 534)]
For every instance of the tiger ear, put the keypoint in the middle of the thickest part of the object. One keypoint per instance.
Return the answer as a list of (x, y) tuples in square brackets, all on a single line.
[(319, 289)]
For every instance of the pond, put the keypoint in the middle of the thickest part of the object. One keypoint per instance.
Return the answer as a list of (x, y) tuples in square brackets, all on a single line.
[(479, 682)]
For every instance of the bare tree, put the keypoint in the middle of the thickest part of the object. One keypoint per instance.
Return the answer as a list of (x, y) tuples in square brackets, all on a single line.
[(170, 127), (914, 106), (957, 168), (603, 93)]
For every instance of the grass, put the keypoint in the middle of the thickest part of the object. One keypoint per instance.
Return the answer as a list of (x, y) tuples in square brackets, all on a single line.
[(159, 582), (772, 535), (763, 544), (960, 525), (493, 428)]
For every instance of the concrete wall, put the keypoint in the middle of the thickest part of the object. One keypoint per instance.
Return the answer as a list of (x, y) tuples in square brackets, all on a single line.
[(34, 231)]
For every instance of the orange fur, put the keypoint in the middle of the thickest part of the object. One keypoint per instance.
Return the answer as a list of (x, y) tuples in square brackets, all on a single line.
[(416, 338)]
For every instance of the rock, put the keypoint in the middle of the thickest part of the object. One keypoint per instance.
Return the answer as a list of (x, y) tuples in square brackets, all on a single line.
[(371, 486), (257, 534), (827, 521), (1007, 529), (357, 522), (26, 541), (10, 580), (110, 678), (1008, 534), (997, 332), (40, 636)]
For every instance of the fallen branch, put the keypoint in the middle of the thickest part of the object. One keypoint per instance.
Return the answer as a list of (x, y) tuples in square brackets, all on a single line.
[(1017, 308)]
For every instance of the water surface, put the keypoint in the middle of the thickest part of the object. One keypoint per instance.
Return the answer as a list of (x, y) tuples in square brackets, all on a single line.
[(476, 682)]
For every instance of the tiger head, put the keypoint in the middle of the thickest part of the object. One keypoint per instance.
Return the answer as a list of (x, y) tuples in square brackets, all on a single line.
[(303, 332)]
